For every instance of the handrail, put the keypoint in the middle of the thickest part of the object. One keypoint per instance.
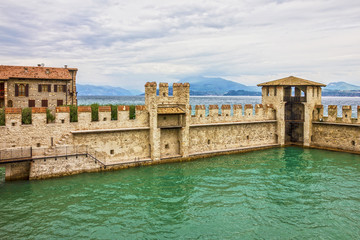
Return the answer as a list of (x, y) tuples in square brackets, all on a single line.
[(60, 151)]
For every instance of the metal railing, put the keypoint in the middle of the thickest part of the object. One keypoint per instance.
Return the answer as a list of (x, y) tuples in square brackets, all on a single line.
[(44, 152), (294, 99), (294, 116), (15, 153), (30, 153)]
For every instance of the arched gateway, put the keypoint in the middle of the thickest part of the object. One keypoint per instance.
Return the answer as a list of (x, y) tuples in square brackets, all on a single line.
[(294, 100)]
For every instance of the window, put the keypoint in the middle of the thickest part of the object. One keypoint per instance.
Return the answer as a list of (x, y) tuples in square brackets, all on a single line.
[(59, 103), (10, 103), (31, 103), (267, 91), (59, 88), (44, 103), (275, 91), (44, 88), (22, 90)]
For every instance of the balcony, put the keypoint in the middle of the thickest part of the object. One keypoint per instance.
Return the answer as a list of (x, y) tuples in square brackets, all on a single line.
[(294, 99)]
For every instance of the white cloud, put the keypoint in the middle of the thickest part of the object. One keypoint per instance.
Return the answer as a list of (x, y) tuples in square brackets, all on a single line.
[(127, 43)]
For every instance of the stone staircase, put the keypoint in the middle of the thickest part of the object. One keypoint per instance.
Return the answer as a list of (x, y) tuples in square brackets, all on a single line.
[(51, 150)]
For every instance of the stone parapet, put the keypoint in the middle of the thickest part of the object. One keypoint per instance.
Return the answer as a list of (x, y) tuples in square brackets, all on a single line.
[(123, 108), (346, 116), (104, 109), (12, 110), (84, 109), (38, 110), (62, 109)]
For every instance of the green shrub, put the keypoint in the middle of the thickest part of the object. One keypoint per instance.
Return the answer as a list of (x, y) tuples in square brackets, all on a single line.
[(114, 112), (2, 117), (73, 113), (94, 112), (49, 117), (132, 112), (26, 116)]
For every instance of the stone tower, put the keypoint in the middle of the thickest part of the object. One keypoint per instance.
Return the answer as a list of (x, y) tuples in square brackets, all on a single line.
[(294, 100), (169, 118)]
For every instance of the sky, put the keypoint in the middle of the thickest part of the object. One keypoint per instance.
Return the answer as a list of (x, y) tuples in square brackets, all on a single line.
[(127, 43)]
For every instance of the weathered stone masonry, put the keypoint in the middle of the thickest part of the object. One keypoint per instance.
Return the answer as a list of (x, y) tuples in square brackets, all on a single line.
[(164, 130)]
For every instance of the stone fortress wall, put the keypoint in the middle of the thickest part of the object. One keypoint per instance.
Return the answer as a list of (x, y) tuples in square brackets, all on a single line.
[(163, 130)]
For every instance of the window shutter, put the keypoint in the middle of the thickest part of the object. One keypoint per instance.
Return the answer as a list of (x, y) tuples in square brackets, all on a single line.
[(64, 88), (26, 90), (39, 87), (49, 88), (55, 88), (16, 90)]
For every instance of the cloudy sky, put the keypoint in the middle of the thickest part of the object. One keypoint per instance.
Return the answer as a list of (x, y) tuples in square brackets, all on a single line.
[(126, 43)]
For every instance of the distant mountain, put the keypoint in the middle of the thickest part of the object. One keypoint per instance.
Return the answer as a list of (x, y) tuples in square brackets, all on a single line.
[(215, 86), (91, 90), (342, 86), (242, 93)]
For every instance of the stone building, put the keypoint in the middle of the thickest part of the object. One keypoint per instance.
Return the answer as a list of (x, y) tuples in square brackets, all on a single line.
[(22, 86)]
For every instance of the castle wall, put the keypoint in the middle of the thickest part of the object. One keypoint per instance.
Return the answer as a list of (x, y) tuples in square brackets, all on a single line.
[(223, 137), (61, 166), (334, 136), (171, 133), (116, 146), (17, 171), (342, 133), (42, 134)]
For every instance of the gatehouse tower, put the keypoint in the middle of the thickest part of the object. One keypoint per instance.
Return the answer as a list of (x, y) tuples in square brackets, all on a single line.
[(294, 100)]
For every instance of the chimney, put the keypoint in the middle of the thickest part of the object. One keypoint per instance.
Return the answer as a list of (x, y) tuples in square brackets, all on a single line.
[(39, 65), (65, 66)]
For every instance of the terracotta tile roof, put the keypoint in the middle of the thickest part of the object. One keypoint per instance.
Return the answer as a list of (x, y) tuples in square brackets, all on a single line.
[(291, 81), (170, 110), (8, 72)]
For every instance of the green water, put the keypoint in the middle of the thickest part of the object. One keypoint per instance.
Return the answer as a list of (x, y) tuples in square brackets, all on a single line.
[(283, 193)]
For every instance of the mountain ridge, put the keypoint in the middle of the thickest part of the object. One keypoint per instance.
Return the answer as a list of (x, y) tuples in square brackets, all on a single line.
[(213, 86)]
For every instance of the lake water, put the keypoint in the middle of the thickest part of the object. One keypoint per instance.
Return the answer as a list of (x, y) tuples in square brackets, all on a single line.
[(281, 193), (219, 100)]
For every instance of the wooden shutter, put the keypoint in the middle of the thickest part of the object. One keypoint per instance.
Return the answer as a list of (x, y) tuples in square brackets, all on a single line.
[(55, 88), (26, 90), (44, 103), (39, 87), (16, 90), (31, 103), (64, 88), (49, 88)]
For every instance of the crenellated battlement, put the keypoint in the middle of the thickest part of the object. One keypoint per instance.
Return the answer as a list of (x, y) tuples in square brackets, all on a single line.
[(180, 93), (333, 113), (13, 117), (232, 113)]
